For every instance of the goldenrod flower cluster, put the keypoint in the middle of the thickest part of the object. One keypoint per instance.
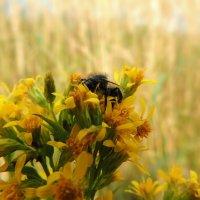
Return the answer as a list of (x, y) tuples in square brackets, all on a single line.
[(171, 185), (70, 145)]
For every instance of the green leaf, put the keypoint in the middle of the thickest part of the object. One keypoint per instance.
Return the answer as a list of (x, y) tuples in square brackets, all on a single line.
[(31, 183), (11, 133), (8, 146), (32, 173), (60, 134), (64, 158)]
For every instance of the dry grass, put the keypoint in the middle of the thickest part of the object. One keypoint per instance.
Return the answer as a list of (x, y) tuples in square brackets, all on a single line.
[(87, 36)]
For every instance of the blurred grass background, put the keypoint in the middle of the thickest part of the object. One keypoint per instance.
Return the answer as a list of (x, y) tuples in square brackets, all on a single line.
[(100, 36)]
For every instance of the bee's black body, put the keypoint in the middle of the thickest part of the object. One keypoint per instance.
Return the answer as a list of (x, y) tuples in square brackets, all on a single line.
[(99, 83)]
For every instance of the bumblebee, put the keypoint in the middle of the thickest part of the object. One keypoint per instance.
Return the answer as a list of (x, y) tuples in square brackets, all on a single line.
[(100, 85)]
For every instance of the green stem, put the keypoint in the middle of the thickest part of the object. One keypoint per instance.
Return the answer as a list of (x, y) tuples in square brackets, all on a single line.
[(53, 114), (89, 194)]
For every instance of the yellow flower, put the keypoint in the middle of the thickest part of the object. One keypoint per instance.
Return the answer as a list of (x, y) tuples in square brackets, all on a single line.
[(83, 96), (65, 184), (131, 147), (30, 123), (126, 121), (80, 139), (174, 176), (12, 189), (144, 129), (148, 189), (21, 89), (123, 117), (134, 74), (8, 110), (75, 78), (63, 103), (194, 185), (80, 96), (131, 78)]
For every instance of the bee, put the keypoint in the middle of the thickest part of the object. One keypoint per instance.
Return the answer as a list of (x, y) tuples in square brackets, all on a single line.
[(99, 84)]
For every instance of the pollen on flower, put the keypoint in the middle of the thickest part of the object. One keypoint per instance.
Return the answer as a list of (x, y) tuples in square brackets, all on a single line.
[(66, 189), (78, 95), (118, 116), (74, 146), (77, 146), (75, 78), (143, 130), (12, 192), (139, 76), (31, 122)]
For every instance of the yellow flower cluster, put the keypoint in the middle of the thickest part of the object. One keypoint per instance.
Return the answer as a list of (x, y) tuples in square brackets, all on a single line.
[(171, 185), (69, 145)]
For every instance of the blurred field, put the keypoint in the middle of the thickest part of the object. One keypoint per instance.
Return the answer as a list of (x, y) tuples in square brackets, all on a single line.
[(100, 36)]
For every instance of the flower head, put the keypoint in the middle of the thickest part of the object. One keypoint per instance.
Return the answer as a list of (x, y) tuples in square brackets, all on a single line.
[(174, 177), (194, 185), (12, 190), (147, 189), (67, 183)]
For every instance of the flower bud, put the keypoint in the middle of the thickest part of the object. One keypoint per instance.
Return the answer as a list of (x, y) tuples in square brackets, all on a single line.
[(49, 87)]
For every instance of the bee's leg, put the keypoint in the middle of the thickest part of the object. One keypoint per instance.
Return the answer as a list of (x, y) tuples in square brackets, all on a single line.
[(116, 92), (96, 88)]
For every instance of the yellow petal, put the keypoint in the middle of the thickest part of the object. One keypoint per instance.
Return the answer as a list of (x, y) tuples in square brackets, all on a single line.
[(193, 176), (75, 130), (69, 102), (92, 100), (143, 105), (82, 133), (129, 101), (12, 123), (108, 108), (83, 88), (59, 108), (197, 193), (119, 146), (84, 160), (28, 138), (4, 167), (150, 115), (149, 82), (45, 191), (67, 171), (141, 168), (53, 177), (130, 85), (104, 125), (56, 144), (159, 188), (29, 192), (126, 126), (19, 165), (5, 87), (135, 183), (101, 134), (91, 95), (108, 143)]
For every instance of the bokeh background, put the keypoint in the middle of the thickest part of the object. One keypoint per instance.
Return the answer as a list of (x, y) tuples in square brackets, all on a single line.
[(66, 36)]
